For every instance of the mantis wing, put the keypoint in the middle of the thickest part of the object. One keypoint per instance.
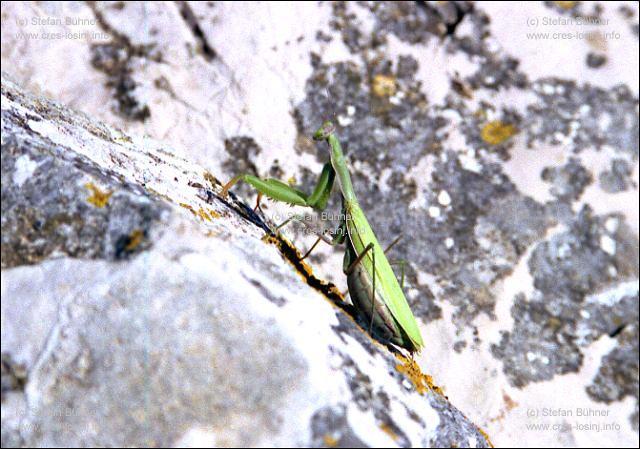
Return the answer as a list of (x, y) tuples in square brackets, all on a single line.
[(361, 235)]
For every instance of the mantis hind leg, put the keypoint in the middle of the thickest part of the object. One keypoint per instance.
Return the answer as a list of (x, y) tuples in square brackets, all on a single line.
[(358, 259), (392, 244), (339, 237), (287, 221), (402, 263), (312, 248), (373, 300)]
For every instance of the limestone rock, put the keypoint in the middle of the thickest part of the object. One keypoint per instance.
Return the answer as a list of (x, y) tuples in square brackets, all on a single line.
[(141, 309)]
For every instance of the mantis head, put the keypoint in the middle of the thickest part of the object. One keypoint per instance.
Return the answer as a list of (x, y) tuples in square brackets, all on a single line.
[(324, 131)]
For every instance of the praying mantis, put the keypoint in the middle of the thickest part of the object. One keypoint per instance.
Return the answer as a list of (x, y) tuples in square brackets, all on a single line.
[(373, 286)]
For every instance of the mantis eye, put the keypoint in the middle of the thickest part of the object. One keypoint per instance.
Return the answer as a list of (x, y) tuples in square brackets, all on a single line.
[(325, 131)]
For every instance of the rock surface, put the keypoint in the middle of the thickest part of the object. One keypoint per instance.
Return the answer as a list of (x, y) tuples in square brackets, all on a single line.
[(502, 141), (143, 310)]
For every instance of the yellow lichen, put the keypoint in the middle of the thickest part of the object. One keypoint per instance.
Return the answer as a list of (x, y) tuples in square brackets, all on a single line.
[(566, 5), (422, 382), (383, 85), (202, 213), (135, 238), (293, 256), (496, 132), (330, 440), (159, 195), (386, 428), (189, 208), (486, 437), (98, 197), (123, 139)]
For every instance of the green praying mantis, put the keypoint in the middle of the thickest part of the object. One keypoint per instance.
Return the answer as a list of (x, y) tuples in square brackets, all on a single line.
[(373, 286)]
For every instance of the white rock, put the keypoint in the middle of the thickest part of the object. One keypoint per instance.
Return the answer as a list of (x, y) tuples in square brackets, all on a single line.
[(443, 198)]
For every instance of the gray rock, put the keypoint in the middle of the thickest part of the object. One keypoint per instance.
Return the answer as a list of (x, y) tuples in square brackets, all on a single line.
[(561, 316), (618, 177), (156, 315), (508, 165), (567, 182)]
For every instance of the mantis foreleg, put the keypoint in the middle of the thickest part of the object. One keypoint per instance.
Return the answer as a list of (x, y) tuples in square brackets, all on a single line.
[(279, 191), (338, 237), (312, 248)]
